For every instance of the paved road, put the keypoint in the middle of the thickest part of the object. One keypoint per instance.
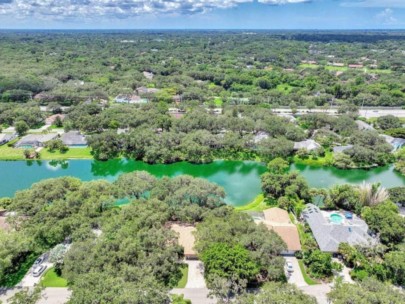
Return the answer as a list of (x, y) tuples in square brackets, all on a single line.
[(196, 295), (367, 113), (296, 276), (55, 296)]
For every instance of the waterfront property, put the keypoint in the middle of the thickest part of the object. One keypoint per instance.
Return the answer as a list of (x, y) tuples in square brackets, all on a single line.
[(35, 140), (341, 149), (130, 99), (396, 143), (74, 139), (259, 136), (278, 220), (333, 228), (361, 125), (186, 239), (52, 119), (308, 145), (6, 137)]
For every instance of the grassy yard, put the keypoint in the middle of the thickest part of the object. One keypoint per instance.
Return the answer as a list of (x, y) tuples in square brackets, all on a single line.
[(218, 101), (258, 204), (327, 160), (183, 281), (377, 71), (307, 279), (72, 153), (51, 279), (308, 66), (9, 153), (336, 68), (284, 88)]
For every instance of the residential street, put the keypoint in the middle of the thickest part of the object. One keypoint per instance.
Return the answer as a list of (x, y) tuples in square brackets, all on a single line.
[(195, 275)]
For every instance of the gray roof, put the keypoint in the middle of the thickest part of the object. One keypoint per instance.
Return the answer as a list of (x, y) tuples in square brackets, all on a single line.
[(363, 125), (73, 138), (308, 144), (329, 235), (6, 137), (35, 139), (340, 149)]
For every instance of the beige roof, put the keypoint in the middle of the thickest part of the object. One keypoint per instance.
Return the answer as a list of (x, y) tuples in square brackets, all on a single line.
[(186, 238), (277, 215), (289, 234), (278, 220)]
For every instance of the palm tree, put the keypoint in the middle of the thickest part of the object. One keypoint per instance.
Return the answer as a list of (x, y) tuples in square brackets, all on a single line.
[(372, 194)]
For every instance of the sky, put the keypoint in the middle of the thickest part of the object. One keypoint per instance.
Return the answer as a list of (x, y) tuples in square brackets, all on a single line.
[(202, 14)]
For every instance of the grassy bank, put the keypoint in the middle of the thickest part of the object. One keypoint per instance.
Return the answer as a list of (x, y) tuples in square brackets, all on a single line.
[(307, 278), (52, 279), (10, 153), (184, 278), (258, 204), (326, 160)]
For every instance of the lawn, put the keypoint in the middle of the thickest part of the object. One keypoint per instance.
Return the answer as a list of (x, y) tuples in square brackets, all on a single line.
[(307, 279), (258, 204), (51, 279), (72, 153), (218, 101), (183, 281), (327, 160), (9, 153), (377, 71), (284, 88), (308, 66), (336, 68)]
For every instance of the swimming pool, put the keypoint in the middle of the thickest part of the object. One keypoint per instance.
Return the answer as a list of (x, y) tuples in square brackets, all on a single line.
[(336, 218)]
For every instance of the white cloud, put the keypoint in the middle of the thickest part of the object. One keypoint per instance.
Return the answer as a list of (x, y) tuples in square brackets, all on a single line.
[(387, 17), (65, 9), (374, 3)]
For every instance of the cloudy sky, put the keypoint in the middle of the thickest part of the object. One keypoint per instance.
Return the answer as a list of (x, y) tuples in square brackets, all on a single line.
[(202, 14)]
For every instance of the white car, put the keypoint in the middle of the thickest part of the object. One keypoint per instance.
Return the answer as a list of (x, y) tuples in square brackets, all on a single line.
[(290, 267), (38, 270)]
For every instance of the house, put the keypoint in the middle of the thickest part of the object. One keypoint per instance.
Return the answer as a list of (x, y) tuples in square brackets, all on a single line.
[(186, 239), (74, 139), (259, 136), (6, 137), (341, 149), (278, 220), (148, 75), (356, 66), (130, 99), (338, 64), (330, 229), (51, 119), (396, 143), (308, 145), (35, 140), (363, 125), (145, 90), (313, 62)]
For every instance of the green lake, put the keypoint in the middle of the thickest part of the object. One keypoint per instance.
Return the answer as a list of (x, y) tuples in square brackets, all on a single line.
[(241, 180)]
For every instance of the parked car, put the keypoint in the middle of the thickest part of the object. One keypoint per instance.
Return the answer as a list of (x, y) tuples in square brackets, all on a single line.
[(38, 270), (290, 267)]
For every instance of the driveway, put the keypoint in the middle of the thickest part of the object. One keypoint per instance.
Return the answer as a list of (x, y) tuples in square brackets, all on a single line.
[(319, 291), (195, 275), (29, 280), (296, 276), (196, 295), (55, 296)]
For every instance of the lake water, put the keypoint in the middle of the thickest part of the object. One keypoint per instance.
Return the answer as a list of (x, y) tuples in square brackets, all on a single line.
[(241, 180)]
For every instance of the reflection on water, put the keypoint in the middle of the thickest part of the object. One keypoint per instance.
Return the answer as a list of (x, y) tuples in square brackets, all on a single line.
[(241, 180)]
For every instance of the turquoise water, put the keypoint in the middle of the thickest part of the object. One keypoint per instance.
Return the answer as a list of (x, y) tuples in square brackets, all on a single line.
[(241, 180), (336, 218)]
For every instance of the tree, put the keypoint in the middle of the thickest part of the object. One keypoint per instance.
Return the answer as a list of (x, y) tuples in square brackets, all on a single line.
[(275, 147), (277, 166), (395, 263), (397, 195), (179, 299), (275, 293), (21, 127), (291, 185), (368, 291), (319, 263), (26, 296), (135, 184), (372, 194), (389, 122), (229, 262)]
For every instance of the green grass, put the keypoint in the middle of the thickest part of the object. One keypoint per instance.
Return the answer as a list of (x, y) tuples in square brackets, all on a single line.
[(307, 278), (284, 88), (258, 204), (51, 279), (327, 160), (9, 153), (12, 279), (336, 68), (377, 71), (183, 281), (308, 66), (218, 101), (72, 153)]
